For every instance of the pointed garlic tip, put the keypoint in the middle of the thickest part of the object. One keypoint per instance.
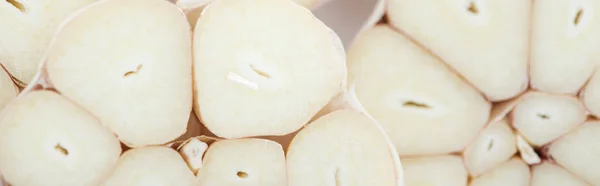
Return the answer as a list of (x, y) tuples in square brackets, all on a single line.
[(527, 153), (192, 152)]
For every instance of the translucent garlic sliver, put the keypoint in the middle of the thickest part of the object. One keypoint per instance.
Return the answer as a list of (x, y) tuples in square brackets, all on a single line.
[(526, 151), (239, 79), (192, 152)]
